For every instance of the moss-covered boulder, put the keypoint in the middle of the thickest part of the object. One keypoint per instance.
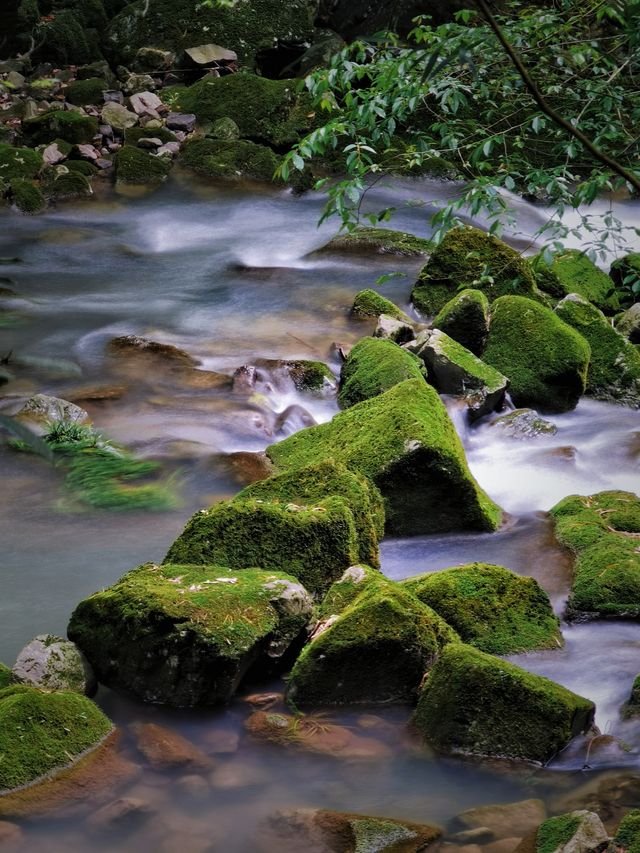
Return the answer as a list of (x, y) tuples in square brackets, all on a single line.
[(355, 581), (376, 651), (70, 185), (453, 369), (233, 159), (186, 635), (628, 324), (614, 367), (69, 125), (625, 270), (6, 676), (18, 162), (405, 442), (373, 366), (578, 830), (26, 196), (88, 91), (490, 607), (246, 28), (465, 318), (368, 303), (602, 532), (41, 733), (470, 258), (544, 359), (571, 271), (474, 703), (378, 241), (628, 833), (72, 35), (134, 166), (523, 424)]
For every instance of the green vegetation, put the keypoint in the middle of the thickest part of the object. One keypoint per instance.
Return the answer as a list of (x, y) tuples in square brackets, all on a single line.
[(73, 184), (83, 92), (631, 708), (490, 607), (18, 162), (355, 581), (373, 366), (465, 318), (571, 271), (368, 304), (474, 703), (625, 274), (405, 442), (134, 166), (6, 676), (310, 375), (230, 159), (628, 833), (71, 126), (556, 832), (27, 196), (379, 241)]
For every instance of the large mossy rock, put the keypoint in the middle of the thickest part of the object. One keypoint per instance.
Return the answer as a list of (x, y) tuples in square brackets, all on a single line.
[(373, 366), (405, 442), (378, 241), (476, 704), (89, 91), (581, 831), (614, 368), (42, 732), (19, 162), (544, 359), (68, 125), (369, 304), (490, 607), (602, 531), (376, 651), (186, 635), (571, 271), (216, 158), (465, 318), (246, 28), (342, 593), (134, 166), (470, 258), (628, 833), (26, 196)]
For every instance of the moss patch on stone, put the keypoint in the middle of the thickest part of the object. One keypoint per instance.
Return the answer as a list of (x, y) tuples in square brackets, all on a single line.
[(354, 582), (544, 359), (368, 303), (405, 442), (377, 651), (477, 704), (6, 676), (41, 732), (69, 125), (571, 271), (602, 531), (379, 241), (230, 159), (556, 832), (631, 707), (470, 258), (26, 196), (134, 166), (18, 162), (72, 185), (185, 635), (465, 318), (614, 367), (628, 832), (490, 607), (373, 366), (89, 91)]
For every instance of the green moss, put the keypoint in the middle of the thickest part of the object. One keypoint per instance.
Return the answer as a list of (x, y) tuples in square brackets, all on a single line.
[(27, 196), (82, 92), (628, 324), (368, 304), (353, 583), (622, 268), (373, 366), (571, 271), (185, 635), (68, 39), (70, 186), (474, 703), (134, 166), (69, 125), (524, 424), (470, 258), (465, 318), (405, 442), (224, 128), (602, 531), (379, 241), (544, 359), (220, 159), (133, 135), (18, 162), (6, 676), (81, 167), (628, 833), (631, 708), (376, 651), (42, 732), (614, 368), (310, 375), (556, 832), (490, 607)]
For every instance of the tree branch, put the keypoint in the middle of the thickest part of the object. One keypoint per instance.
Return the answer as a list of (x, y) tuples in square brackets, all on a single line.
[(547, 109)]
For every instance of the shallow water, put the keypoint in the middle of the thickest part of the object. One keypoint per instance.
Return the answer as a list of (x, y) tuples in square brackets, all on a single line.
[(227, 276)]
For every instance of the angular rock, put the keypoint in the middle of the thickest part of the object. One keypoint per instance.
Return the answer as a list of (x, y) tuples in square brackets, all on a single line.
[(369, 303), (186, 635), (614, 368), (118, 116), (405, 442), (53, 155), (577, 832), (145, 103), (68, 125), (465, 318), (490, 607), (372, 367), (476, 704), (544, 359), (524, 424), (628, 324), (136, 347), (571, 271), (393, 330), (185, 122), (42, 408), (123, 813), (52, 663)]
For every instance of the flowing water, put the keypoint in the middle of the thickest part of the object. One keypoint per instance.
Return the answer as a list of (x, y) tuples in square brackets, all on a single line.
[(230, 276)]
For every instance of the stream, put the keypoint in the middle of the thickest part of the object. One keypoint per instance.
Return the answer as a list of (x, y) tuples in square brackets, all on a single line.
[(230, 276)]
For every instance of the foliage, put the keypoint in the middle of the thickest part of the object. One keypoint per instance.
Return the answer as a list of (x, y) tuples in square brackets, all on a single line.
[(452, 92)]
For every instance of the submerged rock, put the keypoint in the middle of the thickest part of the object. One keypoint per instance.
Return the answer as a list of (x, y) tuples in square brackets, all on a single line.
[(186, 635), (474, 703), (369, 303), (602, 531), (524, 424), (134, 346), (465, 318), (405, 442), (52, 663), (571, 271), (505, 820), (490, 607), (544, 359), (372, 367), (165, 749)]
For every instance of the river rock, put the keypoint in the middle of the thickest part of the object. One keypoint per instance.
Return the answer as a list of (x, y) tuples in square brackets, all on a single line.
[(125, 813), (43, 409), (237, 775), (292, 419), (136, 347), (405, 442), (118, 116), (465, 318), (628, 832), (628, 324), (52, 663), (186, 635), (53, 155), (577, 832), (372, 367), (453, 369), (323, 831), (11, 836), (524, 424), (379, 241), (394, 330), (145, 103), (544, 359), (164, 748), (149, 142), (474, 703), (185, 122), (505, 820), (369, 303)]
